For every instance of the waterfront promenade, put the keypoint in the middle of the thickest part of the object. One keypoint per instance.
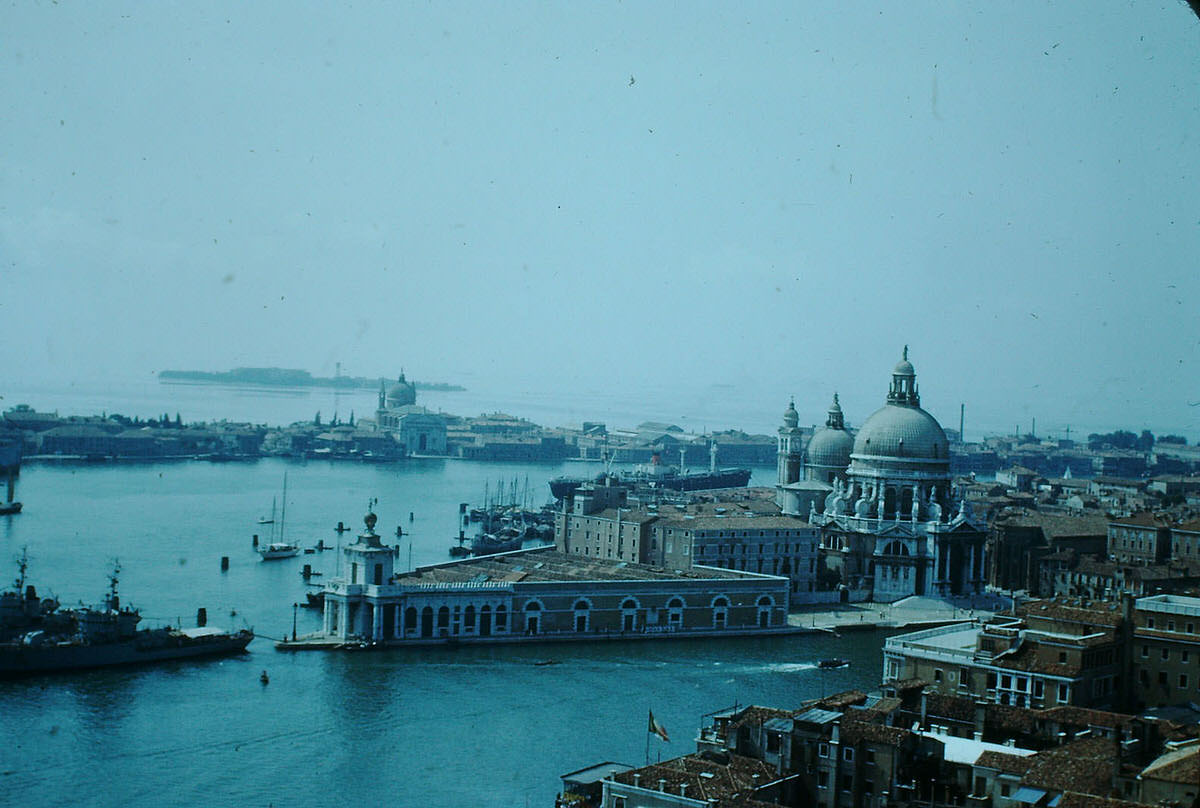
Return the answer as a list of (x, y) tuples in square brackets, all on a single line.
[(913, 612)]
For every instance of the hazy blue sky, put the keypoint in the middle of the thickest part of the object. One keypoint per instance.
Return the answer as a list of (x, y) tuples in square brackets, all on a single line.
[(540, 196)]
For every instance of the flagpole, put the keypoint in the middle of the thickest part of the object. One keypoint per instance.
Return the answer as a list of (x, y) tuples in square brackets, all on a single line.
[(650, 715)]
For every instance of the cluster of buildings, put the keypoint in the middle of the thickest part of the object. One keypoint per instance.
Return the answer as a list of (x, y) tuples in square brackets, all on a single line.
[(1055, 458), (910, 745), (869, 516), (103, 437)]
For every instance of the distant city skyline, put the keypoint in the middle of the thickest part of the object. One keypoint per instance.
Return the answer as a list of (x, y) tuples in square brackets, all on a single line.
[(730, 204)]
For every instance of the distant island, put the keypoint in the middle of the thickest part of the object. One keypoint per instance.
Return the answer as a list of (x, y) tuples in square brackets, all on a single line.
[(286, 377)]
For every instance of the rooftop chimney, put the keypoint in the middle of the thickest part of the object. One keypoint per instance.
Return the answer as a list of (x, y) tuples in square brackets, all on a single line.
[(662, 785), (637, 779), (683, 789)]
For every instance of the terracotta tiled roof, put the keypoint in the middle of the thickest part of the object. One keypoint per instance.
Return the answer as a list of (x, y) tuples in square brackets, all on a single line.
[(854, 731), (1084, 766), (754, 716), (1143, 519), (1012, 719), (1179, 766), (840, 701), (728, 785), (1083, 718), (1004, 762), (953, 707), (1098, 614)]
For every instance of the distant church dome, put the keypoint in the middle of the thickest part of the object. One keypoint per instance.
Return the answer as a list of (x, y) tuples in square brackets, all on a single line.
[(401, 393), (831, 446), (901, 429)]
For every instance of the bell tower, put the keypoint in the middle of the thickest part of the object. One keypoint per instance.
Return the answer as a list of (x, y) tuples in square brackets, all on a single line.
[(790, 455)]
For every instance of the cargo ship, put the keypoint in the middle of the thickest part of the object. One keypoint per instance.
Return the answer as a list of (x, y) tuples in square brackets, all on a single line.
[(655, 475), (38, 637)]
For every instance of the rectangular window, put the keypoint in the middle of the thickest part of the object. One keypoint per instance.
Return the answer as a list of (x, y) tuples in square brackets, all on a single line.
[(1145, 651), (1166, 653), (937, 674), (1183, 680), (823, 750), (1149, 622), (848, 753), (1064, 694), (1183, 656), (1039, 688), (822, 779), (847, 782)]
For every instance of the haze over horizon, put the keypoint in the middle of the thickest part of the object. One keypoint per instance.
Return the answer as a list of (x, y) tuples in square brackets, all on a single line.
[(539, 198)]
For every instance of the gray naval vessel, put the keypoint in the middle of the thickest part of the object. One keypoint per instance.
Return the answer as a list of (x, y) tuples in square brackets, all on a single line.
[(36, 636)]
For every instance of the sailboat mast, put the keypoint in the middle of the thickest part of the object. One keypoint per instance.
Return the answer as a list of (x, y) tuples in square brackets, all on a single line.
[(283, 509)]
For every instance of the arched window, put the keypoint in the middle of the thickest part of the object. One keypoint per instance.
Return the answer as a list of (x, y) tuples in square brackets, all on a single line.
[(629, 610), (501, 618), (675, 613), (581, 615), (469, 618), (443, 618), (410, 620), (533, 617), (720, 607), (764, 611)]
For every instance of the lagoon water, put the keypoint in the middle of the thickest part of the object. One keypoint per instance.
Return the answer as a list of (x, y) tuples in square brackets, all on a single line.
[(439, 727)]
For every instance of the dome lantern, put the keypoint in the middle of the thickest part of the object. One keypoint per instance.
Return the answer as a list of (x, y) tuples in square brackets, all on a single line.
[(904, 383), (791, 418)]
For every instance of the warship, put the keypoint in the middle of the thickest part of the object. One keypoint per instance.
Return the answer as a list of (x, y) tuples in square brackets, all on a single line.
[(37, 636)]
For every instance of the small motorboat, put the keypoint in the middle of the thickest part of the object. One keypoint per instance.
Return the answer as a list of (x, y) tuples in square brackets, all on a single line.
[(836, 662), (278, 549)]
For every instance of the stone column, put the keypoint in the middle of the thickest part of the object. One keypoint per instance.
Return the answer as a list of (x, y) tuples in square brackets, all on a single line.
[(973, 578), (377, 621), (344, 618)]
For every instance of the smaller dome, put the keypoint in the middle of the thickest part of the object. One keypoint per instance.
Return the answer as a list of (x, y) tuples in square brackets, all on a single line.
[(791, 418), (904, 368), (830, 447)]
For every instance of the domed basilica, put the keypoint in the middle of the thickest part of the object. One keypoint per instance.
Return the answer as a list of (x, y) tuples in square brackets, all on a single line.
[(890, 527)]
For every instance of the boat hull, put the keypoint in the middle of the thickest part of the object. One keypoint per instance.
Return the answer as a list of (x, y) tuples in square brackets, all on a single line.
[(17, 659)]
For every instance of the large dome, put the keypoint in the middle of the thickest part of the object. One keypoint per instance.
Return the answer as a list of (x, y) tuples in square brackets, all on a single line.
[(898, 430), (830, 447)]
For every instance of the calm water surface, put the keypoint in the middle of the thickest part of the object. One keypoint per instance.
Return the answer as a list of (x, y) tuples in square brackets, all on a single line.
[(444, 727)]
